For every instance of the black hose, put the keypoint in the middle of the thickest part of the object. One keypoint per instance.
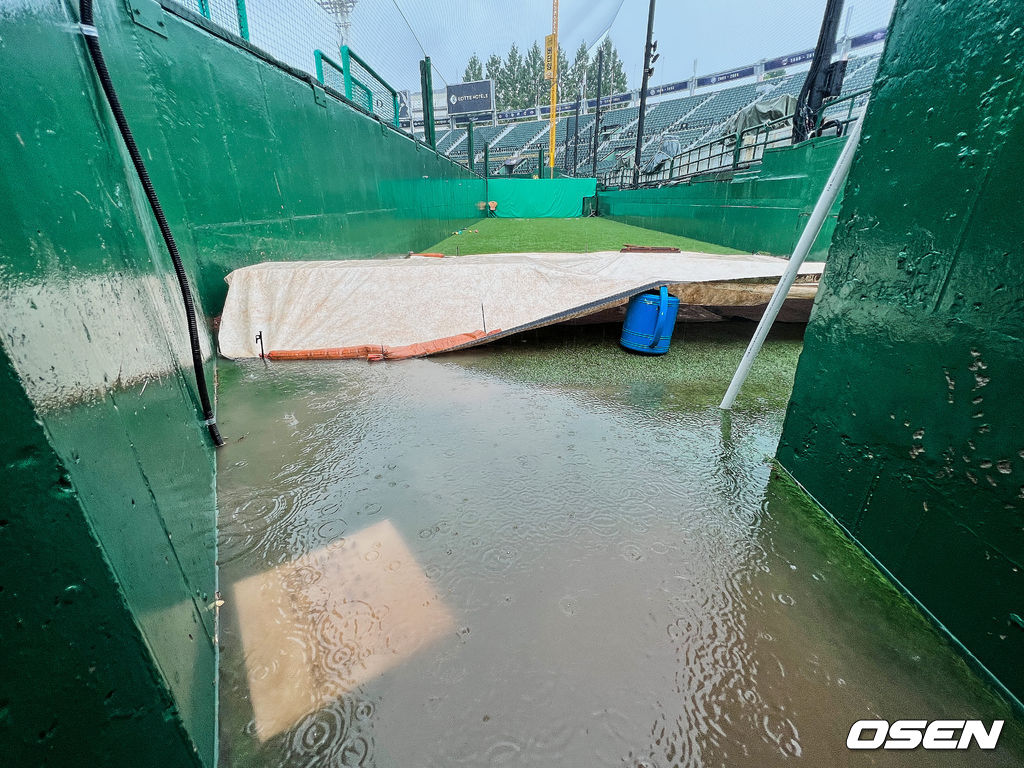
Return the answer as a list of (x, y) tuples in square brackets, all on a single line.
[(92, 41)]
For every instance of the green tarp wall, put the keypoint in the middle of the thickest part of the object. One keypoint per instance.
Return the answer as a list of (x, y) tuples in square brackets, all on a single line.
[(108, 545), (763, 211), (907, 417), (540, 198)]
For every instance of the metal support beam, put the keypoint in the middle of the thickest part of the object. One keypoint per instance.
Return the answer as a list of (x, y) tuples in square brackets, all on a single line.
[(816, 87), (828, 196), (576, 139)]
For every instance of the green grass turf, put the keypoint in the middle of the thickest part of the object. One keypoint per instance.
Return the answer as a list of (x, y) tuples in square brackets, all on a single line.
[(561, 236)]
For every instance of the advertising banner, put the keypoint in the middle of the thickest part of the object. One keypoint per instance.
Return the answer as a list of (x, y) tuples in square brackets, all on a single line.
[(404, 105), (658, 90), (724, 77), (470, 98), (787, 61), (868, 38)]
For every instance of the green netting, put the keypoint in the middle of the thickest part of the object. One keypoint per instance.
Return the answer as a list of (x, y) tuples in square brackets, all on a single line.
[(370, 91), (329, 71), (362, 96), (540, 198)]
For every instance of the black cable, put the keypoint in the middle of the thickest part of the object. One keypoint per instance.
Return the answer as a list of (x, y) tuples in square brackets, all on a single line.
[(92, 41)]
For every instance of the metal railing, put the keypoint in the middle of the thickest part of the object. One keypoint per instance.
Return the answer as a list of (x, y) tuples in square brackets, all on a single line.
[(368, 89), (824, 118), (299, 42), (738, 150), (328, 71), (309, 28), (724, 153), (289, 37)]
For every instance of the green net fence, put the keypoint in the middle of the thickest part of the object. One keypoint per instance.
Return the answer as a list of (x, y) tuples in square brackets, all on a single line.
[(368, 89), (289, 30)]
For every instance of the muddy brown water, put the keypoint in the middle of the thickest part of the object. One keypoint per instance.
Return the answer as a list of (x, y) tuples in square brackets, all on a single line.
[(551, 552)]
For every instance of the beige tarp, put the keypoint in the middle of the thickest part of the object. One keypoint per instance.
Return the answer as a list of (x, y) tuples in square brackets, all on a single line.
[(318, 305)]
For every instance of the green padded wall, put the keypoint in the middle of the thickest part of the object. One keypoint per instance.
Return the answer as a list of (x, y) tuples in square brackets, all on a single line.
[(108, 472), (760, 211), (907, 415), (540, 198)]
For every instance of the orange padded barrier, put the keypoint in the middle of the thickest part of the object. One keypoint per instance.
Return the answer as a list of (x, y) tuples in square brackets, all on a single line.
[(375, 352)]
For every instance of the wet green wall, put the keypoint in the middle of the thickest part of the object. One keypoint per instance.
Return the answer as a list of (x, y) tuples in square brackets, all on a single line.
[(79, 687), (762, 211), (907, 417), (107, 569), (253, 165)]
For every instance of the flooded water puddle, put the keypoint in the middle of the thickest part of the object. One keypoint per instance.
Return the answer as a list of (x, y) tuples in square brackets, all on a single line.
[(551, 552)]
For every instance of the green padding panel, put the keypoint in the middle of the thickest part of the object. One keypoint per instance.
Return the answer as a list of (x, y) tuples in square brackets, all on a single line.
[(540, 198)]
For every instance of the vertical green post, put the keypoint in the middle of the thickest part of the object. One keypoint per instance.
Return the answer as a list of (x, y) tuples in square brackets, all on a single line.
[(243, 19), (424, 99), (540, 162), (397, 106), (428, 103), (423, 104), (487, 176), (346, 71), (318, 58), (427, 95), (469, 138)]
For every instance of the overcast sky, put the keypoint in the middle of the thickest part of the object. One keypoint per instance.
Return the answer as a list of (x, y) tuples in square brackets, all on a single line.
[(720, 34)]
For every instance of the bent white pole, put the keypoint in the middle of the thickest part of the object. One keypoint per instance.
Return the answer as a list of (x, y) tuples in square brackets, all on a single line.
[(803, 246)]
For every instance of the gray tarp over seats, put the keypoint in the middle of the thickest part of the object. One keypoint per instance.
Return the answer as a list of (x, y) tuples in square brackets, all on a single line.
[(760, 112), (413, 307)]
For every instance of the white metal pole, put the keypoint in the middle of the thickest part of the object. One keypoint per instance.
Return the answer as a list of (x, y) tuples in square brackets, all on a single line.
[(803, 246)]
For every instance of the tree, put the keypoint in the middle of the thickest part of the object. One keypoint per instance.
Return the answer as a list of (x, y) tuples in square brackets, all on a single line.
[(519, 80), (564, 93), (533, 75), (511, 81), (572, 77), (613, 73), (474, 70), (493, 67), (493, 72)]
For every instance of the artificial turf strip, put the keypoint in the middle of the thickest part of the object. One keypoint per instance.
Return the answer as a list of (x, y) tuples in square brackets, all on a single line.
[(582, 235)]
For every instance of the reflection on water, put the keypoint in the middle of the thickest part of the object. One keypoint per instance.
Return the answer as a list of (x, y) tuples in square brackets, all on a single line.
[(317, 627), (592, 566)]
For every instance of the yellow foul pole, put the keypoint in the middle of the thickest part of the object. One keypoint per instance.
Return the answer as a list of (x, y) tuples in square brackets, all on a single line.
[(553, 117)]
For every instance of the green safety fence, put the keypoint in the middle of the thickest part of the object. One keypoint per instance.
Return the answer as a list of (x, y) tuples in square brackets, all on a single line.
[(368, 89), (307, 28), (540, 198)]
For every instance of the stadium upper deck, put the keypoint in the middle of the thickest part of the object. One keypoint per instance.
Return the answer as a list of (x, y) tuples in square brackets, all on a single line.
[(692, 120)]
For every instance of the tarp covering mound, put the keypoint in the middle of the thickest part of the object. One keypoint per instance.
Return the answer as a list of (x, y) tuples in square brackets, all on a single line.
[(397, 308), (540, 198)]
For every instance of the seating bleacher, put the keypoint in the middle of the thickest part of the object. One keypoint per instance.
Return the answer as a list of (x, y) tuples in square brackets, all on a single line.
[(690, 119)]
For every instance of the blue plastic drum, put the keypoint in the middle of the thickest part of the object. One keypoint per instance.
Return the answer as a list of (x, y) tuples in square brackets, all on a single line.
[(650, 319)]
